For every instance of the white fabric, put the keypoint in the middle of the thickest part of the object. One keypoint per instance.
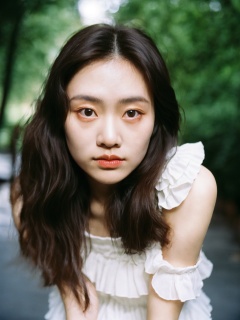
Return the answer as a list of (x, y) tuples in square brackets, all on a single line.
[(122, 280), (172, 283), (182, 168), (114, 272)]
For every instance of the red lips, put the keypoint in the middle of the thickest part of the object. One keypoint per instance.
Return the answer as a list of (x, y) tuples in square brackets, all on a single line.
[(109, 162)]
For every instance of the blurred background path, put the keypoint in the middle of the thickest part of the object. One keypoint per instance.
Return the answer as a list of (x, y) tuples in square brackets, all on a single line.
[(23, 298)]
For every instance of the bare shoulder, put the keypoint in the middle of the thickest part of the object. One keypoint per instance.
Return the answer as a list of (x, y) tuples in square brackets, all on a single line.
[(190, 220), (204, 186), (201, 198)]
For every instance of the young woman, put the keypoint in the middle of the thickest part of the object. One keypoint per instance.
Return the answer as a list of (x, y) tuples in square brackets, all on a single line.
[(112, 211)]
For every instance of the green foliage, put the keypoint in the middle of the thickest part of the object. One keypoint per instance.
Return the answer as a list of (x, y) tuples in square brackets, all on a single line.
[(43, 33), (200, 42), (44, 26)]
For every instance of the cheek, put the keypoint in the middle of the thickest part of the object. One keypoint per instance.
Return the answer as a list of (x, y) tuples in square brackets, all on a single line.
[(141, 143), (142, 147), (72, 136), (149, 133), (145, 135), (72, 130)]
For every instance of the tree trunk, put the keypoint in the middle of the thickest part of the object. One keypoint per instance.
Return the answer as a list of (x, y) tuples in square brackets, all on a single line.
[(10, 59)]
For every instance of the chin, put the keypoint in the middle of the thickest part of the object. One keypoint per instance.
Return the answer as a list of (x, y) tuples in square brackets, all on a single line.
[(109, 182), (109, 179)]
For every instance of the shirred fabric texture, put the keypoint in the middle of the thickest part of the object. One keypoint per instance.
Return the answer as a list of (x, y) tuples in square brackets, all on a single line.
[(122, 280)]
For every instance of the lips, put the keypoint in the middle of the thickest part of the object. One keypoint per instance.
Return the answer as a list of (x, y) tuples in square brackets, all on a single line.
[(109, 158), (109, 161)]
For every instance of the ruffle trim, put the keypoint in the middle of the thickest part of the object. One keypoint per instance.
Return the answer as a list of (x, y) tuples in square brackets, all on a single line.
[(176, 283), (182, 167), (120, 277), (128, 277)]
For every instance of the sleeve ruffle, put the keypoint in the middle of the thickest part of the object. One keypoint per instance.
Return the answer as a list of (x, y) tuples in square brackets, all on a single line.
[(176, 283), (182, 168)]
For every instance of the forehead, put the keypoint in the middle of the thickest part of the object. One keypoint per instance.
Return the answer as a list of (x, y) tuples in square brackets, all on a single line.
[(117, 76)]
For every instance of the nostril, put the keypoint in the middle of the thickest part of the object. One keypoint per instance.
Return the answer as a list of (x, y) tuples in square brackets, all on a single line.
[(108, 145), (109, 139)]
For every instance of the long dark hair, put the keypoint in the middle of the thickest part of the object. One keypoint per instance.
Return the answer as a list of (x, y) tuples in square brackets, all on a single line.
[(54, 189)]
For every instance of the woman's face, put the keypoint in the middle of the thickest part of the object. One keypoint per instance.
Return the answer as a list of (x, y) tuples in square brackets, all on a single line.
[(110, 120)]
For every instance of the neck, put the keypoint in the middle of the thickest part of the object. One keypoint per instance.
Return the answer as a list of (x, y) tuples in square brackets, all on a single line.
[(99, 196)]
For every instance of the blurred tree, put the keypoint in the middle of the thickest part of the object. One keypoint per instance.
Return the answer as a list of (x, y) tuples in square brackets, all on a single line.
[(200, 41), (31, 33), (11, 21)]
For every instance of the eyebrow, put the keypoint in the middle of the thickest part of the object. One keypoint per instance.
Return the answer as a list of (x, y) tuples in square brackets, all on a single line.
[(134, 99), (121, 101), (86, 98)]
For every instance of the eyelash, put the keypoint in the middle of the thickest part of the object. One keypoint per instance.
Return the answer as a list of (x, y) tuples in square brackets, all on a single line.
[(127, 113), (81, 111), (135, 112)]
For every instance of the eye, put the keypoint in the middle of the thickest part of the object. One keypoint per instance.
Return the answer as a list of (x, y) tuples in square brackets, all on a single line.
[(87, 113), (132, 114)]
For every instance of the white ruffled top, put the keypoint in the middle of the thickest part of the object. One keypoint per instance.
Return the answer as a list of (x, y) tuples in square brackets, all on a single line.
[(121, 280)]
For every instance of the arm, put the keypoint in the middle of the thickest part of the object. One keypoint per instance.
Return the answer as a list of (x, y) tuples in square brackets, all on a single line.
[(75, 311), (189, 223), (160, 309), (16, 202)]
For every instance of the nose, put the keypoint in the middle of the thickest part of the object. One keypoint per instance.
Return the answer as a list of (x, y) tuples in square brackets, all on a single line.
[(109, 135)]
